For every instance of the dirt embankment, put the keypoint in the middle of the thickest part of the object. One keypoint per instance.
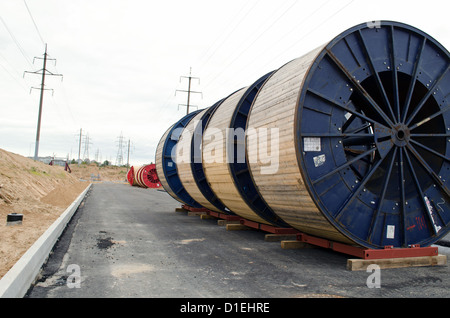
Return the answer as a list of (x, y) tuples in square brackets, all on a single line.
[(92, 172), (41, 193)]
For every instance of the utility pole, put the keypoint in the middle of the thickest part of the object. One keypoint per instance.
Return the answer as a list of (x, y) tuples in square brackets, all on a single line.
[(190, 78), (42, 72), (79, 148), (128, 157)]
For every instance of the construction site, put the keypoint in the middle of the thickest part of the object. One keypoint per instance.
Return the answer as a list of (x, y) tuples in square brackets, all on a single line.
[(326, 176)]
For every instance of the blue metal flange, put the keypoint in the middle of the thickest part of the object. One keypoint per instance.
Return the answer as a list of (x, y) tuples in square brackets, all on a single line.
[(169, 162), (196, 160), (238, 165), (373, 135)]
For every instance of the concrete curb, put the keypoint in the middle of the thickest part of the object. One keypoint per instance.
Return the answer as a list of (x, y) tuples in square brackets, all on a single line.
[(19, 278)]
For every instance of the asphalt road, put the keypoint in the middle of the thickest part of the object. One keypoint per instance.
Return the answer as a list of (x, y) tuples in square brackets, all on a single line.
[(129, 242)]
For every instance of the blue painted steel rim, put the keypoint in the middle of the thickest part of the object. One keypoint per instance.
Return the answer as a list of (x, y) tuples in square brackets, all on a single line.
[(239, 169), (170, 167), (343, 186), (196, 160)]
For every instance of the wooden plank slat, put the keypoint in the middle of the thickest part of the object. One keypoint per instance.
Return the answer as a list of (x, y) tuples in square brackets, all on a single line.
[(284, 191), (215, 162)]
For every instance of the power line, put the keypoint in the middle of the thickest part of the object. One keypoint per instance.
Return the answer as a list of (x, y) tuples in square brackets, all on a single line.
[(318, 26), (273, 45), (34, 22), (16, 42), (256, 39), (295, 43), (229, 33), (9, 73)]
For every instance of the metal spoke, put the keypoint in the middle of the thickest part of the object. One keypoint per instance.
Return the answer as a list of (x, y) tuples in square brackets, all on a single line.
[(377, 77), (427, 95), (366, 126), (383, 194), (368, 152), (395, 76), (348, 122), (361, 89), (335, 135), (430, 135), (434, 152), (352, 111), (429, 118), (428, 169), (413, 80), (359, 188), (420, 191), (402, 192), (359, 139)]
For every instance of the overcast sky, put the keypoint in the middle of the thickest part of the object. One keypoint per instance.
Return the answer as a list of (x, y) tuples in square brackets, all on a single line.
[(122, 61)]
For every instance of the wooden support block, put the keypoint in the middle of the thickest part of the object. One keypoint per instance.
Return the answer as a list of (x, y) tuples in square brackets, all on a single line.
[(288, 245), (196, 213), (237, 227), (279, 237), (180, 210), (362, 264), (225, 222), (206, 217)]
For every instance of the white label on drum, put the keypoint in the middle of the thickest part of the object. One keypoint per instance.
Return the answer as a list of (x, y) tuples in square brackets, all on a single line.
[(311, 144), (390, 231), (319, 160), (170, 164), (431, 211)]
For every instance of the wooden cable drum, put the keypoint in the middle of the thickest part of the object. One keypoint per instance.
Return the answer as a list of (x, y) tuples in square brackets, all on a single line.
[(189, 162), (130, 177), (166, 167), (361, 127), (139, 177), (224, 161), (349, 142), (146, 177)]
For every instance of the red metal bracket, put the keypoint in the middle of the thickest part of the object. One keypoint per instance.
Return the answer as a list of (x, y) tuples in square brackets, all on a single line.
[(268, 228), (365, 253), (224, 216), (191, 209), (353, 250)]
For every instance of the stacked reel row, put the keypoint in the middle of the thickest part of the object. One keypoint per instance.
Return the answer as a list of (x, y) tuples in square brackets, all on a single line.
[(144, 177), (350, 142)]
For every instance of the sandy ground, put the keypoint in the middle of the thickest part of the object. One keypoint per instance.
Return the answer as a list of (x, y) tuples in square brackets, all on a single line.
[(41, 193)]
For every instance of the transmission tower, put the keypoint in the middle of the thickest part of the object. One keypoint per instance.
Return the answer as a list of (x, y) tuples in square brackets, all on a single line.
[(189, 91), (43, 72), (119, 157), (87, 142)]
